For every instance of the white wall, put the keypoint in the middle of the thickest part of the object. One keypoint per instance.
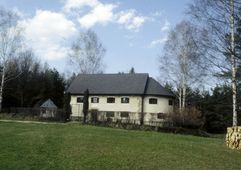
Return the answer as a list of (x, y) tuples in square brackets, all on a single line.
[(134, 106), (162, 106)]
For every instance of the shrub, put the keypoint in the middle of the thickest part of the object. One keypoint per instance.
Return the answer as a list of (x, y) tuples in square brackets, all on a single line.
[(188, 118)]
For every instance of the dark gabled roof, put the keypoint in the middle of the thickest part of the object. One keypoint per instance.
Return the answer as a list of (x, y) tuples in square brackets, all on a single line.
[(154, 88), (48, 104), (109, 84), (117, 84)]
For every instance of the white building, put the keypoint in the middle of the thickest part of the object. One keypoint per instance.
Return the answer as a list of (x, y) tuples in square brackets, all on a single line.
[(121, 97)]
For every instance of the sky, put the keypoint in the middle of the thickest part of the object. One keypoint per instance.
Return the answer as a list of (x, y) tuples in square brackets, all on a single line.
[(132, 31)]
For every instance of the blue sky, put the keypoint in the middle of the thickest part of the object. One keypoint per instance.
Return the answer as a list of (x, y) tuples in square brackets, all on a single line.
[(132, 31)]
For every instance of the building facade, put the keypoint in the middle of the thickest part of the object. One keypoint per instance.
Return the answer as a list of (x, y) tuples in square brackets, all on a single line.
[(121, 97)]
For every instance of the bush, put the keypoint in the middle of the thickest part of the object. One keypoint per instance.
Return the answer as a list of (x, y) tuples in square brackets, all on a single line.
[(188, 118)]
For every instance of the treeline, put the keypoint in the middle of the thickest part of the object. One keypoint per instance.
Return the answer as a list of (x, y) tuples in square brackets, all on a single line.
[(30, 83), (209, 110)]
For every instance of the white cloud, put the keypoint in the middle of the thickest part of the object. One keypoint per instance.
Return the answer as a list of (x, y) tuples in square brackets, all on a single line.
[(166, 26), (131, 20), (157, 14), (19, 13), (157, 42), (101, 14), (47, 33), (77, 4)]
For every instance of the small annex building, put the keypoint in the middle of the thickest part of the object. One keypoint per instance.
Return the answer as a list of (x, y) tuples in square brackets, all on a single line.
[(48, 109)]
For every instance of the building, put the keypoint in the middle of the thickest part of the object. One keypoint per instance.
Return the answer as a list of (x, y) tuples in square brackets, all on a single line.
[(121, 97), (48, 109)]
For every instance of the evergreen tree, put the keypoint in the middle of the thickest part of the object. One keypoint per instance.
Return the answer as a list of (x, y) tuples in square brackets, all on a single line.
[(86, 105)]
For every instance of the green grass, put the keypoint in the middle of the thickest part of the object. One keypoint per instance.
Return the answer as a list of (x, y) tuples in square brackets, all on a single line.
[(74, 146)]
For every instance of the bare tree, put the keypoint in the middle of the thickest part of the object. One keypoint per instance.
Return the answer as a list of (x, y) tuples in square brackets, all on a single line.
[(218, 18), (10, 43), (182, 64), (87, 53)]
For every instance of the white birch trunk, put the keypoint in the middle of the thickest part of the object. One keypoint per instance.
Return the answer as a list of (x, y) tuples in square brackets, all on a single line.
[(233, 63), (180, 100), (184, 97), (1, 88), (184, 83)]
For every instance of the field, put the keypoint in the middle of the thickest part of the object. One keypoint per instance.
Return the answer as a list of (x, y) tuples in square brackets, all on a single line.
[(75, 146)]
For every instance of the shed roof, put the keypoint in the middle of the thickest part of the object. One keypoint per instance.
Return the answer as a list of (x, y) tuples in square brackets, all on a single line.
[(48, 104)]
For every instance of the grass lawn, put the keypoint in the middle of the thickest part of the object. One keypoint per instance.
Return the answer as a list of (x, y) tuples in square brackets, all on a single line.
[(74, 146)]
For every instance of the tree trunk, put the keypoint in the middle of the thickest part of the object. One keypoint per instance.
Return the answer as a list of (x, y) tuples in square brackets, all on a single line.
[(233, 63), (180, 100), (184, 97), (183, 89), (1, 88)]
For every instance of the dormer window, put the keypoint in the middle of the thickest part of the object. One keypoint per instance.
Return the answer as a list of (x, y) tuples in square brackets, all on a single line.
[(152, 101), (94, 99), (80, 99), (110, 100), (125, 100)]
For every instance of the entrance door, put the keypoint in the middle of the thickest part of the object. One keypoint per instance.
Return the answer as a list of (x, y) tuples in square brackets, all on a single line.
[(94, 116)]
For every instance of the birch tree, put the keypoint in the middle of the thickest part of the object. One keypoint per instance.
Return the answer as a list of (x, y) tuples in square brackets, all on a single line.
[(10, 43), (181, 64), (218, 18), (87, 53), (233, 65)]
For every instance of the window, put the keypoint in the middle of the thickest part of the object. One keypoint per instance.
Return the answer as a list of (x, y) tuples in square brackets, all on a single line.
[(94, 99), (80, 99), (110, 114), (110, 100), (125, 100), (152, 101), (161, 115), (170, 102), (124, 114)]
